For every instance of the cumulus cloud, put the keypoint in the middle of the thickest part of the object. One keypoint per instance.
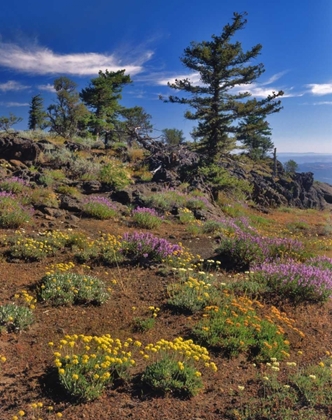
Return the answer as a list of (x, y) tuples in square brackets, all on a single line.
[(38, 60), (320, 89), (14, 104), (48, 87), (12, 85)]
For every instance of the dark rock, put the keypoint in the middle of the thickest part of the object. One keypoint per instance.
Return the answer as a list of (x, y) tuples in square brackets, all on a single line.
[(91, 187), (17, 148), (70, 203)]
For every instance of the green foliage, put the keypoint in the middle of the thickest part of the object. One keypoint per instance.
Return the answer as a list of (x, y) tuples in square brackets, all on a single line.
[(71, 288), (254, 133), (222, 180), (101, 209), (15, 318), (115, 175), (234, 327), (12, 213), (146, 219), (173, 136), (37, 114), (7, 122), (193, 292), (87, 364), (222, 66), (291, 166), (102, 97), (105, 250), (169, 376), (68, 115)]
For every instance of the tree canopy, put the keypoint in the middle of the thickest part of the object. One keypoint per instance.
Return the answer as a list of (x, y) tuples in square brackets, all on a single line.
[(37, 114), (219, 100), (68, 115), (102, 98)]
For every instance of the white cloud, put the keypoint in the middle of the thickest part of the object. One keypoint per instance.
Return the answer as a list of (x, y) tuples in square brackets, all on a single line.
[(39, 60), (12, 85), (194, 78), (48, 87), (323, 103), (320, 89), (13, 104)]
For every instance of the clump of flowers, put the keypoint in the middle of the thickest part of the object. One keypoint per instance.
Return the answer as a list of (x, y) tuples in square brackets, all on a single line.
[(245, 248), (87, 364), (174, 368), (15, 318), (143, 324), (13, 184), (26, 298), (106, 249), (12, 213), (236, 327), (99, 208), (68, 288), (147, 247), (45, 244), (297, 281), (193, 292), (146, 218)]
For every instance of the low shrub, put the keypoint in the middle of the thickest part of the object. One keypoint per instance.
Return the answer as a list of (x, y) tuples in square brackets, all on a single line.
[(67, 288), (99, 207), (146, 218), (115, 175), (297, 281), (15, 318), (235, 327), (87, 364), (174, 369), (12, 213), (13, 184), (147, 247)]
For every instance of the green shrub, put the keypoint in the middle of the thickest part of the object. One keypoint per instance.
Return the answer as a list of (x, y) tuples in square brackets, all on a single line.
[(146, 218), (169, 376), (70, 288), (15, 318), (99, 208), (12, 213), (115, 175)]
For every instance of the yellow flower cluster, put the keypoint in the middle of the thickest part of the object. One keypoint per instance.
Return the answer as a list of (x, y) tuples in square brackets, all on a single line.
[(96, 356), (62, 267), (26, 298), (183, 350)]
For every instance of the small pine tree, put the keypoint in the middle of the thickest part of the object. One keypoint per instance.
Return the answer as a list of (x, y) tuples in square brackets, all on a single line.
[(37, 114), (6, 123)]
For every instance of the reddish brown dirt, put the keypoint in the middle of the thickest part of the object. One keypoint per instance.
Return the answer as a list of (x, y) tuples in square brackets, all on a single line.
[(25, 377)]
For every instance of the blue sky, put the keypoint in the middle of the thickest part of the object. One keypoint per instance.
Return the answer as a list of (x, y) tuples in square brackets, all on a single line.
[(40, 41)]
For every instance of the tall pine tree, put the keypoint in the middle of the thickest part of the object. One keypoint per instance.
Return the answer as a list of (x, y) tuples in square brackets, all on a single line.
[(37, 114), (102, 98), (219, 100)]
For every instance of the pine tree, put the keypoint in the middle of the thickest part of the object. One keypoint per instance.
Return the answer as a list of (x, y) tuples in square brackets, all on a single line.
[(255, 135), (68, 114), (102, 97), (218, 106), (173, 136), (37, 114), (6, 123)]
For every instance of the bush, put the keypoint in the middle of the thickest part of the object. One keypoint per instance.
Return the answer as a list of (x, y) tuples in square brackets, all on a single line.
[(71, 288), (87, 364), (146, 218), (115, 175), (15, 318), (99, 208), (12, 213), (299, 282), (234, 327), (147, 247), (14, 185), (174, 369)]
